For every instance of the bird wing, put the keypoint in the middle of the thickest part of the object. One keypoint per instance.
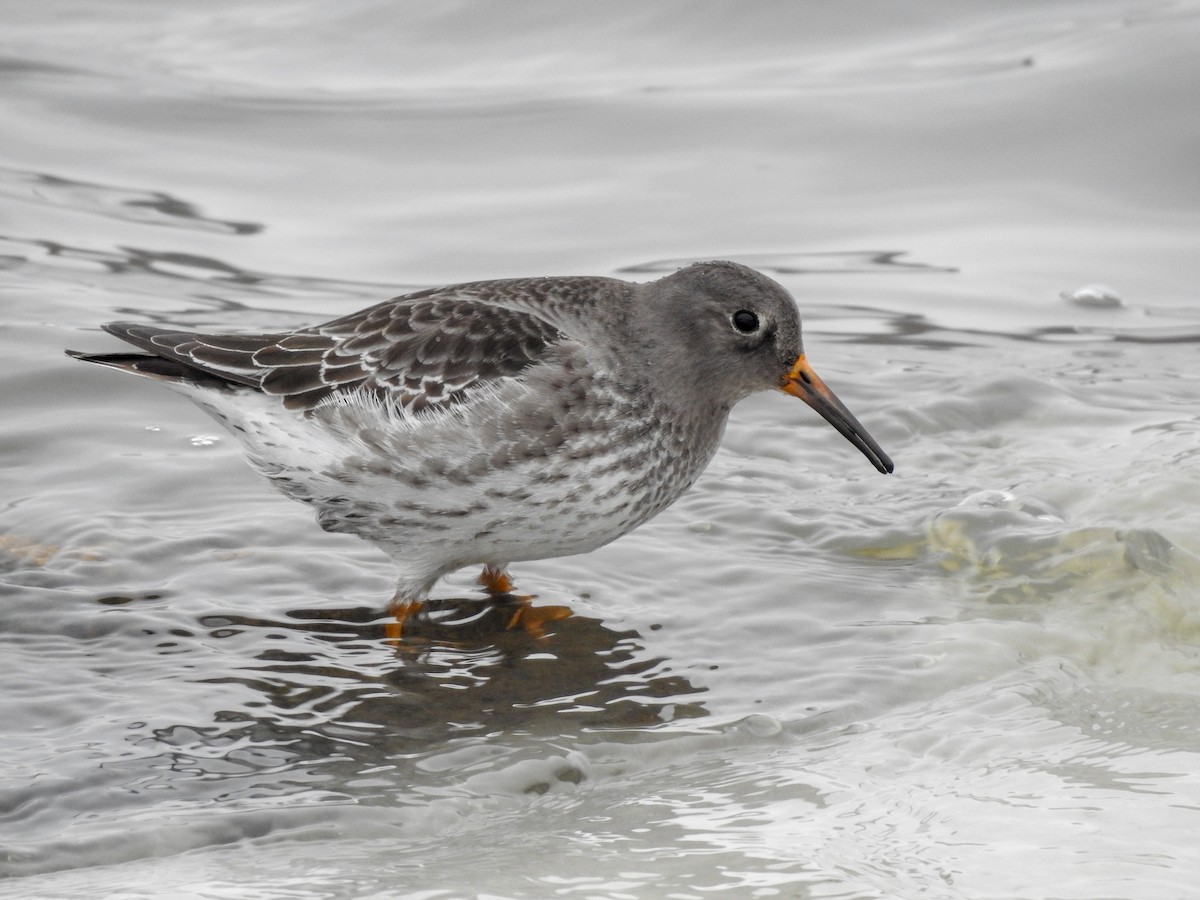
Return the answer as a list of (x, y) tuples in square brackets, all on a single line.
[(416, 351)]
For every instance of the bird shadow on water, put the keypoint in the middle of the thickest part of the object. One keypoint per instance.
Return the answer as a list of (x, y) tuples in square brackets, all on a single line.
[(340, 676)]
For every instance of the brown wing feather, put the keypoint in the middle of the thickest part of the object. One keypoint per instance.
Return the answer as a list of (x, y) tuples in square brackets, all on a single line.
[(418, 350)]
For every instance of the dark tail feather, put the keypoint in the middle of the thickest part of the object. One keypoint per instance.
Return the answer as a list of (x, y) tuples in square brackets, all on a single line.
[(151, 367)]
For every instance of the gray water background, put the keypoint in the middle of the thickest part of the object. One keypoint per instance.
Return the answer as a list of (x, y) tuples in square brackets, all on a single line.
[(976, 678)]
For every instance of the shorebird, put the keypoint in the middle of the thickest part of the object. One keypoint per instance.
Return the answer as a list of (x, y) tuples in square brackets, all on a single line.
[(498, 421)]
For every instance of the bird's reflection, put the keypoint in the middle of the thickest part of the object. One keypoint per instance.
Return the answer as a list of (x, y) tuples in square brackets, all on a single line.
[(332, 677)]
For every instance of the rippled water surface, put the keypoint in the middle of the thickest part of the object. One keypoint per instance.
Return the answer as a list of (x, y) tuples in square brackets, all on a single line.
[(977, 678)]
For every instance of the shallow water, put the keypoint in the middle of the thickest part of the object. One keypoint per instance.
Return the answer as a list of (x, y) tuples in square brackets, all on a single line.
[(979, 677)]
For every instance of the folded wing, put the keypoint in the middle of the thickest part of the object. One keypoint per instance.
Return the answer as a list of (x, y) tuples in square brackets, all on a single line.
[(416, 351)]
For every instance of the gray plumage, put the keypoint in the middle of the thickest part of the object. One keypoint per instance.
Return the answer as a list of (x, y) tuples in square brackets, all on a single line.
[(499, 420)]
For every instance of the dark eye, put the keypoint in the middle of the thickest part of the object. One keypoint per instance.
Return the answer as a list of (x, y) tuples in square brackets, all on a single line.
[(744, 321)]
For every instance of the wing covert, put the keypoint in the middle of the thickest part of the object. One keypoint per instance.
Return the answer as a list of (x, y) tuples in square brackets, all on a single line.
[(415, 351)]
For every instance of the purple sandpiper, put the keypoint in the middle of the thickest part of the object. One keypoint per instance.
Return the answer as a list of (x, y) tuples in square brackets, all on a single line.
[(498, 421)]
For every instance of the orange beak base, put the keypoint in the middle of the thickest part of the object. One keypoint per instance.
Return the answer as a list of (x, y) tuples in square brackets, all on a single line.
[(801, 381)]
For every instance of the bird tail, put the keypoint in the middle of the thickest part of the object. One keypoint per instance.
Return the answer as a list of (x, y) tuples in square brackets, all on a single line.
[(148, 366)]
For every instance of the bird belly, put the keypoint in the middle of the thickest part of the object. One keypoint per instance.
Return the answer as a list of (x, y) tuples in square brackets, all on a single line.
[(457, 490)]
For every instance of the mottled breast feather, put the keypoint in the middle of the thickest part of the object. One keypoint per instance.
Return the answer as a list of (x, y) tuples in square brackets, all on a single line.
[(415, 351)]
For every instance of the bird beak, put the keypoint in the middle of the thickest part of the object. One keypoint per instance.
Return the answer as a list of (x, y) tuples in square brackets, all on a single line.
[(801, 381)]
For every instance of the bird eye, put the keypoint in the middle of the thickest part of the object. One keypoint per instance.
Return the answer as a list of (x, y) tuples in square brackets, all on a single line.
[(744, 321)]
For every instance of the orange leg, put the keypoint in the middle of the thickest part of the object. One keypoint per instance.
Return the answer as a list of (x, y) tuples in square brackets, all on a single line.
[(529, 618), (401, 610), (496, 580)]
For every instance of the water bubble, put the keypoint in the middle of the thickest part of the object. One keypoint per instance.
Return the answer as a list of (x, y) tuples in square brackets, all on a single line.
[(761, 725), (204, 440), (1006, 500), (991, 500), (1094, 296)]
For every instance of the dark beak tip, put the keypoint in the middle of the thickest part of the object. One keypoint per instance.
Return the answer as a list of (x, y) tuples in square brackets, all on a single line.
[(872, 451)]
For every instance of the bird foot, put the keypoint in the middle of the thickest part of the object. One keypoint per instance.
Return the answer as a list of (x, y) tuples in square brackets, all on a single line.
[(531, 619), (401, 612), (496, 580), (511, 612)]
